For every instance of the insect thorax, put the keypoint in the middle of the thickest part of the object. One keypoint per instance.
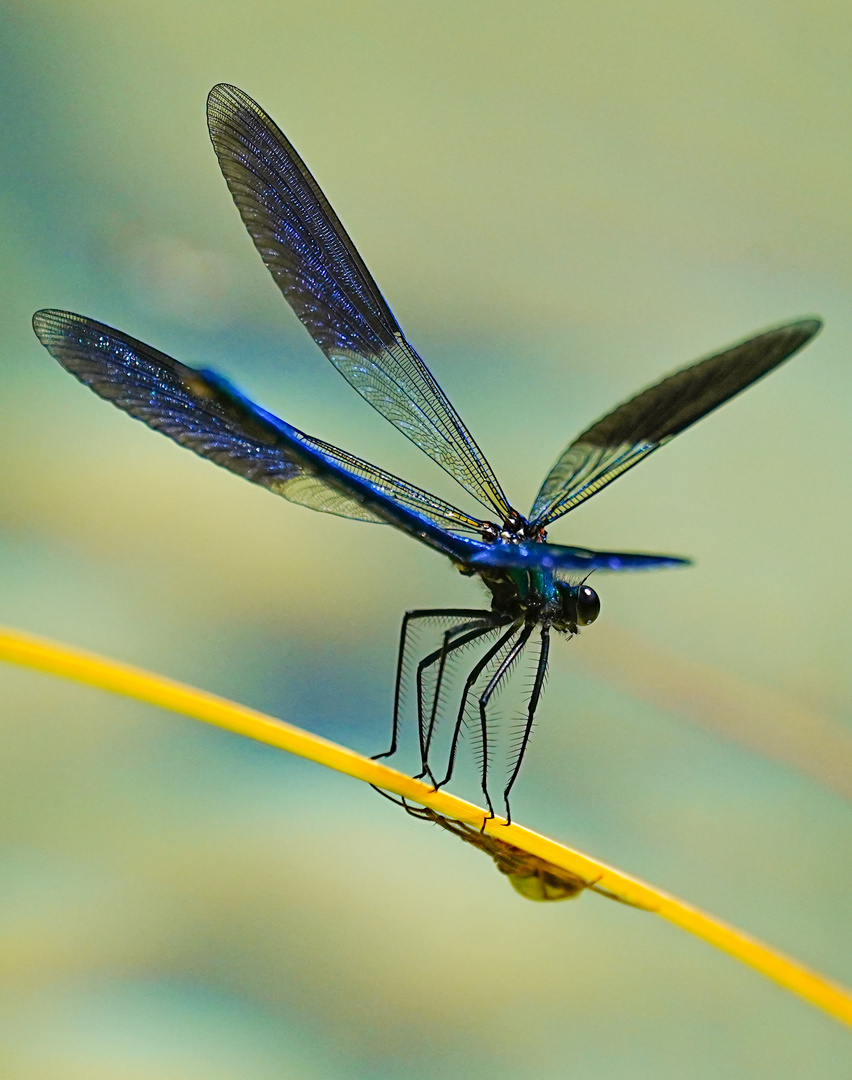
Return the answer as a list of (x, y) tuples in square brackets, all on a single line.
[(534, 596)]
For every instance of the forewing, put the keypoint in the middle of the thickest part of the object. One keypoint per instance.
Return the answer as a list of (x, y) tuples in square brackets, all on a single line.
[(199, 410), (325, 281), (618, 441)]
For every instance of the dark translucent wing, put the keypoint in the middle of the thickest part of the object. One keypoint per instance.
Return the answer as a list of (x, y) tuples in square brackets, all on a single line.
[(325, 281), (199, 410), (443, 514), (641, 425)]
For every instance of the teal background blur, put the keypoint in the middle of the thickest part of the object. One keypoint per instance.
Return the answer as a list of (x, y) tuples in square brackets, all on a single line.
[(561, 201)]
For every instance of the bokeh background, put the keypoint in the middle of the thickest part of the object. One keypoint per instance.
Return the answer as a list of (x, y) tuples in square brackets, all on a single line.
[(562, 201)]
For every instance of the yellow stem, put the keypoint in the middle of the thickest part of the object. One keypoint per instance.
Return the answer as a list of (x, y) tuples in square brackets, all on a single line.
[(29, 651)]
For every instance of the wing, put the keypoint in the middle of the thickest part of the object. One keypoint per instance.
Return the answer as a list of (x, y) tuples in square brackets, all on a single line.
[(201, 411), (538, 556), (323, 278), (624, 437)]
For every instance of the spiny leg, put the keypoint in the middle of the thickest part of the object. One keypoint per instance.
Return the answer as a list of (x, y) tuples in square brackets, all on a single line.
[(470, 682), (440, 655), (538, 686), (470, 632), (409, 617), (499, 675)]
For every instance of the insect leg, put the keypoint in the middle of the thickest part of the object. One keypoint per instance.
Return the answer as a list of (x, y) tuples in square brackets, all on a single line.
[(408, 618), (538, 686), (499, 675), (469, 632), (470, 682)]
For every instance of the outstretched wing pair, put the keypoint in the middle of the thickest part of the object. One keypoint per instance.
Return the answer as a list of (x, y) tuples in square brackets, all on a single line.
[(323, 278)]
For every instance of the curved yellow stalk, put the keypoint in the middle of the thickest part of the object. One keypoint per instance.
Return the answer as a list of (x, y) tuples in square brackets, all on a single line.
[(30, 651)]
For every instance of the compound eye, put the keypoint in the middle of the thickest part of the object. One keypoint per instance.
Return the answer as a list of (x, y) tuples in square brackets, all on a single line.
[(588, 605)]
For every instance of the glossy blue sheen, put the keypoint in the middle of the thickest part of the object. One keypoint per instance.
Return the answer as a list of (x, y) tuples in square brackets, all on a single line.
[(532, 583)]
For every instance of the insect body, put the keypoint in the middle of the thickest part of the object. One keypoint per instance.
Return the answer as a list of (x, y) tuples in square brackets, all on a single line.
[(536, 587)]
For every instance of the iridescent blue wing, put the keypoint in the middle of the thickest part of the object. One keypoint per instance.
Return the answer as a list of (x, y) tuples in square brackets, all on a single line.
[(325, 281), (537, 556), (201, 411), (636, 428)]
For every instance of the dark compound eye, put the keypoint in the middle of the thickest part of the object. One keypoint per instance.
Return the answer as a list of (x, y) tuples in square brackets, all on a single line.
[(588, 605)]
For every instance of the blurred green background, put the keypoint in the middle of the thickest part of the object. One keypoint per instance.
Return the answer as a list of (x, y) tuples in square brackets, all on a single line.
[(562, 202)]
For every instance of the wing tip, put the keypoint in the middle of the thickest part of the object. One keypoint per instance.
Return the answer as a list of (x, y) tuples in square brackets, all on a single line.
[(793, 335), (806, 328), (48, 321), (222, 91), (224, 101), (789, 336), (40, 320)]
